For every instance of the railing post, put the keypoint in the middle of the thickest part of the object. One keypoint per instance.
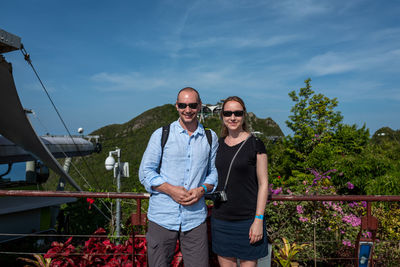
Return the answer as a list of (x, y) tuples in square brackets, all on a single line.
[(368, 223)]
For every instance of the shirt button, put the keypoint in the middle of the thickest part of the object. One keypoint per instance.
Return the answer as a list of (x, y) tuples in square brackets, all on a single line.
[(187, 170), (188, 156)]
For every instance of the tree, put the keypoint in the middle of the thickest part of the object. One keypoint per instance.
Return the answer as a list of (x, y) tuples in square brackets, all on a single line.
[(313, 119)]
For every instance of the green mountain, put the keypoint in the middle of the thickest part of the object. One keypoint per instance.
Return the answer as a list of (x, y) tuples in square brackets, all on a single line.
[(132, 138), (386, 134)]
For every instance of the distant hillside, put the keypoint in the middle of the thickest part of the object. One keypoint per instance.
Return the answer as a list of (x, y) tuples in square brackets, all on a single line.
[(385, 134), (132, 137)]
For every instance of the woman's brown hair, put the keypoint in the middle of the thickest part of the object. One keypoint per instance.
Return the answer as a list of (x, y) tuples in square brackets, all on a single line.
[(224, 129)]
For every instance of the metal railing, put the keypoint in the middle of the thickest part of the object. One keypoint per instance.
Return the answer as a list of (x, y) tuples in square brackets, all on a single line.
[(369, 222)]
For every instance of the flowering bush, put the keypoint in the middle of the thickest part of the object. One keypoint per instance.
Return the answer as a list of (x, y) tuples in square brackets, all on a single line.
[(335, 225)]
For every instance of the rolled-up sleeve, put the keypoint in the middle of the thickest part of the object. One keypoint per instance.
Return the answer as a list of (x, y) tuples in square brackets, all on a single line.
[(212, 174), (148, 175)]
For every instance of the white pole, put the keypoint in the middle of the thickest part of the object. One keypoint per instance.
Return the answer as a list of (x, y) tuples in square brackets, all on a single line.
[(118, 209)]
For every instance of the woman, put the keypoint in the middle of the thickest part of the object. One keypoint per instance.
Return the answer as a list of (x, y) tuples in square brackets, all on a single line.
[(237, 224)]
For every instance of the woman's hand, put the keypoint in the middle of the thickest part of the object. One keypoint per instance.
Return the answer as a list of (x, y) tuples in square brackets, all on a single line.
[(256, 231)]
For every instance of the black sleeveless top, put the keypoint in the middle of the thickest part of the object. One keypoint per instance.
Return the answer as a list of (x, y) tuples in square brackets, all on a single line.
[(242, 187)]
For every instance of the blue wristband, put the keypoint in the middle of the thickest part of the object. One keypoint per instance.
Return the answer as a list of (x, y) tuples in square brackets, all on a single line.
[(261, 217), (205, 188)]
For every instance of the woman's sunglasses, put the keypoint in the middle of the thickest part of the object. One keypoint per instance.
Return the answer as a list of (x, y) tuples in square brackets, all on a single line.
[(237, 113), (184, 105)]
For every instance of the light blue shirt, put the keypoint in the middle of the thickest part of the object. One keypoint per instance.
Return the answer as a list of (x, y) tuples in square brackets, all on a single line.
[(186, 162)]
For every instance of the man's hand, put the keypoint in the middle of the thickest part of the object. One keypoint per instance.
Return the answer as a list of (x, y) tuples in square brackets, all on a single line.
[(178, 193), (195, 195)]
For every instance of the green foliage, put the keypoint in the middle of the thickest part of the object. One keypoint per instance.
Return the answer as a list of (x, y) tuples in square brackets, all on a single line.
[(313, 117), (286, 253), (389, 221), (362, 168), (78, 219), (348, 139), (39, 262), (388, 184), (214, 123)]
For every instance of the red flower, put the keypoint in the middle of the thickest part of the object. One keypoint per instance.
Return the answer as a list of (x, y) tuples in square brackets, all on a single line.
[(90, 201)]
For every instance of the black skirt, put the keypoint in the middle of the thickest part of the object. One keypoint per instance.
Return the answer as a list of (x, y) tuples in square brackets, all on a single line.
[(231, 239)]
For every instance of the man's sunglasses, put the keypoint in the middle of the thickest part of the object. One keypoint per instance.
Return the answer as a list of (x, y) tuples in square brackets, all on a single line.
[(237, 113), (184, 105)]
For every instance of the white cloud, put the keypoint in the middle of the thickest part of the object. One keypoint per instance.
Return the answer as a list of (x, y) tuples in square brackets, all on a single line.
[(364, 60), (295, 8), (243, 42), (330, 63), (126, 81)]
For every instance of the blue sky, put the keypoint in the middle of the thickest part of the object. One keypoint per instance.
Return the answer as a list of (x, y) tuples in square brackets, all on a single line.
[(106, 62)]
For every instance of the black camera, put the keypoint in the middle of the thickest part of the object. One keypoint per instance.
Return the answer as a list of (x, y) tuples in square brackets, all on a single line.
[(217, 196)]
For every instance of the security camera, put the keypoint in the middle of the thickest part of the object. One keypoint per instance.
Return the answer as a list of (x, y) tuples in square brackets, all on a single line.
[(110, 162), (80, 130)]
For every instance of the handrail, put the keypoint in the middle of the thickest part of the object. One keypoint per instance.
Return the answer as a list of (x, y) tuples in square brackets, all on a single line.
[(35, 193)]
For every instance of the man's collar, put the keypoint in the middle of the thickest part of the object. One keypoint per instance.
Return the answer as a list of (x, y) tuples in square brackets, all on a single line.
[(199, 129)]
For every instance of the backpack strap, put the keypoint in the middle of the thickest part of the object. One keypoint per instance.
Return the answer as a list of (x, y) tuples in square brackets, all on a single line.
[(164, 138), (209, 136)]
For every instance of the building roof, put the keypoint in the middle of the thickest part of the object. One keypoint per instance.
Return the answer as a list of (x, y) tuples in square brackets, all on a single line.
[(18, 204)]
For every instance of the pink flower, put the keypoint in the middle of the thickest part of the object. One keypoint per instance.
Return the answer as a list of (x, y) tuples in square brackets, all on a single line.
[(350, 185), (303, 219), (347, 243), (299, 209), (367, 234), (275, 203), (276, 191), (352, 219), (353, 204)]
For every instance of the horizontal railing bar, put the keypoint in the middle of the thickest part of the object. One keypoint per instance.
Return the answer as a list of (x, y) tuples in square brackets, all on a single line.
[(35, 193), (76, 236), (369, 198)]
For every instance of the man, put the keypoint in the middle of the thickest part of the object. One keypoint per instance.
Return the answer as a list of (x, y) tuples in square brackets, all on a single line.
[(177, 208)]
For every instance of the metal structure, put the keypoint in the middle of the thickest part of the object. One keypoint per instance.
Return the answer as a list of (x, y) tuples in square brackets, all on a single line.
[(19, 142), (58, 146), (9, 42)]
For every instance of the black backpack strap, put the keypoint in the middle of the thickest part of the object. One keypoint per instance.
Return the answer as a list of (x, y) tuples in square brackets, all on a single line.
[(164, 138), (209, 136)]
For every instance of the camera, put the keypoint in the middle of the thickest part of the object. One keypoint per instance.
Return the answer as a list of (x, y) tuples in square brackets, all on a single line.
[(218, 196)]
